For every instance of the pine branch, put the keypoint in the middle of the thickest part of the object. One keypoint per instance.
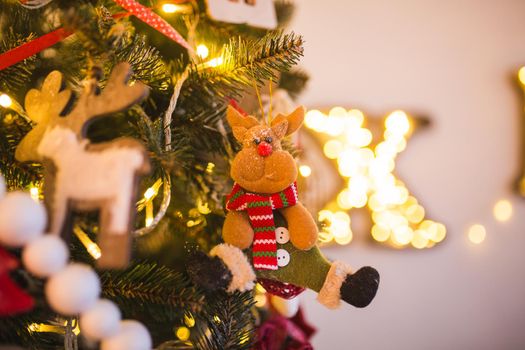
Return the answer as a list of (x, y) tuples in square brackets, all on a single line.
[(228, 321), (145, 285), (245, 62)]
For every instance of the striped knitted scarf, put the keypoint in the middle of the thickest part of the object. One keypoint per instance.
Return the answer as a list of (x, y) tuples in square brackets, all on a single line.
[(260, 211)]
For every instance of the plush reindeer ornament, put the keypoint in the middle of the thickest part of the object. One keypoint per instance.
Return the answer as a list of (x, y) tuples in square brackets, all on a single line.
[(267, 225), (82, 176)]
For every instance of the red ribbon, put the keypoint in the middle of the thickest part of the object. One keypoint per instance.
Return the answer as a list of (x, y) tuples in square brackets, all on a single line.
[(32, 47), (20, 53), (153, 20)]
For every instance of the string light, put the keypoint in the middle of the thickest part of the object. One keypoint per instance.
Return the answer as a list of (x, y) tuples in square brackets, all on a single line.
[(5, 101), (503, 210), (305, 170), (92, 248), (189, 320), (183, 333), (521, 75), (215, 62), (202, 51), (477, 233), (172, 8), (35, 193), (398, 219)]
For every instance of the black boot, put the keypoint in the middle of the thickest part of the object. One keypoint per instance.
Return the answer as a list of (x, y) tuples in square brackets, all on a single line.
[(208, 272), (360, 288)]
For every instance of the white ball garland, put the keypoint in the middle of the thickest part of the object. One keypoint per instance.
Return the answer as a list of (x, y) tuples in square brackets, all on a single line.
[(71, 289), (21, 219), (101, 321), (45, 256), (132, 335), (2, 187)]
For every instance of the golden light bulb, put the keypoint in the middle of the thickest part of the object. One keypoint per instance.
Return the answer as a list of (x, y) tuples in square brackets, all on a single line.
[(503, 210), (171, 8), (521, 75), (189, 320), (35, 195), (183, 333), (150, 193), (214, 62), (419, 241), (380, 233), (305, 170), (202, 51), (5, 101), (332, 149), (477, 233), (397, 123)]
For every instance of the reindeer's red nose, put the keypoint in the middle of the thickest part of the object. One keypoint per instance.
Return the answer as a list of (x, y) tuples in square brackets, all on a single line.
[(264, 149)]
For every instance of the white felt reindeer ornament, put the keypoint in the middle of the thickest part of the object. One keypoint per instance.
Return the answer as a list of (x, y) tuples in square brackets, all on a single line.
[(84, 176)]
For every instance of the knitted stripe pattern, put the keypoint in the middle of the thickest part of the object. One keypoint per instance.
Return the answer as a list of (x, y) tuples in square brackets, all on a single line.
[(260, 212)]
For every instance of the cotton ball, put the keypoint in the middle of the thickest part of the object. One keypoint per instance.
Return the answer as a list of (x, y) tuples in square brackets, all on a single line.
[(21, 219), (73, 290), (2, 187), (131, 336), (45, 255), (101, 321)]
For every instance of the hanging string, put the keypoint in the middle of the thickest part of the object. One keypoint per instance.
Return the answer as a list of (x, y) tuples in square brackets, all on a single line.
[(166, 194), (271, 103), (257, 92)]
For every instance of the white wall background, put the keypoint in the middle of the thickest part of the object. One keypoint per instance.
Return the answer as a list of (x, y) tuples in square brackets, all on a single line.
[(452, 60)]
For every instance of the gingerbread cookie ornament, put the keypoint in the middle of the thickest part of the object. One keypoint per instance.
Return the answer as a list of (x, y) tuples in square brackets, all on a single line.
[(80, 175)]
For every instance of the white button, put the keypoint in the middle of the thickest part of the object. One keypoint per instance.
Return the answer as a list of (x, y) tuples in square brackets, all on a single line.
[(283, 257), (281, 235)]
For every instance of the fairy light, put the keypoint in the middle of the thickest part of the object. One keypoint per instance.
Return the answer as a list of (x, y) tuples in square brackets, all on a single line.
[(35, 193), (477, 233), (150, 193), (49, 328), (202, 51), (521, 75), (398, 219), (147, 202), (189, 320), (503, 210), (203, 207), (183, 333), (305, 170), (215, 62), (172, 8), (210, 167), (5, 101), (92, 248)]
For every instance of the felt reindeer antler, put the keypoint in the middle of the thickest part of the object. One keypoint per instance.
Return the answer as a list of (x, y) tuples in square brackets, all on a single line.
[(45, 106)]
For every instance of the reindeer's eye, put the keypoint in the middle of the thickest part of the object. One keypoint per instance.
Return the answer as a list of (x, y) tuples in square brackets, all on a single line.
[(256, 141), (268, 139)]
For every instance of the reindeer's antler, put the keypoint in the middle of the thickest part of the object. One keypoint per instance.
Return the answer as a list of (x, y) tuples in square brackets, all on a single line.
[(45, 106), (116, 96)]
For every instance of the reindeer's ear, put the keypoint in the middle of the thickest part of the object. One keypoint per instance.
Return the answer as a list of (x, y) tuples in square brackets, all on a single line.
[(293, 120), (239, 123)]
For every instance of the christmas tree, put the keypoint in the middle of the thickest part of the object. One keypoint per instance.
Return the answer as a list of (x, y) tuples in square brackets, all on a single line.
[(191, 78)]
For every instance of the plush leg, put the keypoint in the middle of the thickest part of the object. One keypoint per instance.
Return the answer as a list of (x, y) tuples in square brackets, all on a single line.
[(226, 268), (356, 289), (237, 230), (301, 225)]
